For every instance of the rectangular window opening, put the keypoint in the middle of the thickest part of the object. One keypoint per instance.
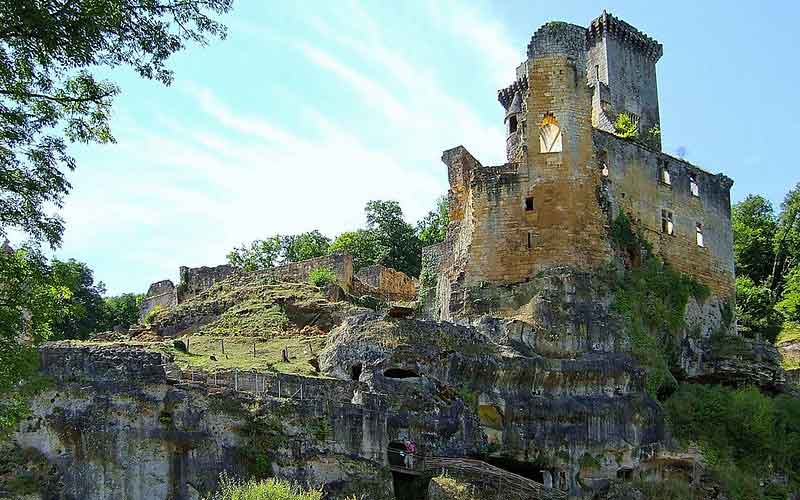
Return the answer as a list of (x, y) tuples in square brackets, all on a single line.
[(667, 225), (530, 240), (665, 177), (597, 72), (529, 204), (700, 241), (693, 186)]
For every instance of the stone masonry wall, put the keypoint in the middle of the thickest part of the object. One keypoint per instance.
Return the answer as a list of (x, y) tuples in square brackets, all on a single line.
[(635, 186), (387, 283), (196, 279), (340, 264), (160, 293)]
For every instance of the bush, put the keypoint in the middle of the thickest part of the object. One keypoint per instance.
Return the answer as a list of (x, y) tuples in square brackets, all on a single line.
[(626, 126), (743, 434), (152, 313), (321, 276), (270, 489)]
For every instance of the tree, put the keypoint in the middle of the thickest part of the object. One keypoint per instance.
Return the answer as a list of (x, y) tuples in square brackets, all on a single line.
[(31, 299), (304, 246), (121, 310), (754, 227), (361, 244), (83, 313), (787, 240), (49, 96), (398, 245), (432, 228), (261, 254), (755, 311), (789, 304)]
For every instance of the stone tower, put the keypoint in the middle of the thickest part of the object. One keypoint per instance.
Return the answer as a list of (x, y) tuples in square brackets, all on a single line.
[(622, 74), (568, 175)]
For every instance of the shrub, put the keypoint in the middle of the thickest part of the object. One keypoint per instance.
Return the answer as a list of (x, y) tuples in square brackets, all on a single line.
[(651, 300), (270, 489), (321, 276), (743, 434), (152, 313), (626, 126)]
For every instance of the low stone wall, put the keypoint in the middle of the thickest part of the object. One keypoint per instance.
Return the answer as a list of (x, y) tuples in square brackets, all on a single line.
[(386, 283), (197, 279), (114, 364), (340, 264), (161, 293)]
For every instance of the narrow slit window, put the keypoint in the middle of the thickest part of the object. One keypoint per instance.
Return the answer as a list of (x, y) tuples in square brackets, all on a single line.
[(699, 231), (693, 186), (530, 240), (597, 72), (665, 177), (603, 159), (667, 225), (529, 204)]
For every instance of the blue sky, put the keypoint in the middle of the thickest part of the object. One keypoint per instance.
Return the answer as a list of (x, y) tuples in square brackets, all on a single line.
[(310, 109)]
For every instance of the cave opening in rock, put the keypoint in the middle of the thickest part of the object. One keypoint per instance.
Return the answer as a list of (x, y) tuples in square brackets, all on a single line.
[(410, 486), (531, 470), (355, 371), (400, 373)]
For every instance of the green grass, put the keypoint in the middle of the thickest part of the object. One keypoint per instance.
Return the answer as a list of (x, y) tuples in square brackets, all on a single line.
[(239, 353), (270, 489), (789, 333)]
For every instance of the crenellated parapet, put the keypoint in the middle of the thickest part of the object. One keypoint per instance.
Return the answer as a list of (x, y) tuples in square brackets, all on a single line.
[(619, 29), (506, 96)]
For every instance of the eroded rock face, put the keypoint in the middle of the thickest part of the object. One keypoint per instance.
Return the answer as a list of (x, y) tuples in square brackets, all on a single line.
[(111, 436), (543, 414)]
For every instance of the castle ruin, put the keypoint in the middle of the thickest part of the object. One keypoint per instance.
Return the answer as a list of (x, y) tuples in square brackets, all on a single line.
[(569, 173)]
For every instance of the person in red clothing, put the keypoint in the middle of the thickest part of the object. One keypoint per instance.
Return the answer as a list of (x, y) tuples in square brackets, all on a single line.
[(411, 449)]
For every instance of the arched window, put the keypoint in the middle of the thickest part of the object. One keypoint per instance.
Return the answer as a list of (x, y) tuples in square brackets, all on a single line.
[(549, 135)]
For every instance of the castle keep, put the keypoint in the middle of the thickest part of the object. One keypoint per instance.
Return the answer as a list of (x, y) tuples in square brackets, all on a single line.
[(569, 173)]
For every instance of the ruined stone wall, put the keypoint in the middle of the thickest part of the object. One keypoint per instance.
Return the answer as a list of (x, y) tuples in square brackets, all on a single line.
[(386, 282), (635, 186), (340, 264), (160, 293), (196, 279)]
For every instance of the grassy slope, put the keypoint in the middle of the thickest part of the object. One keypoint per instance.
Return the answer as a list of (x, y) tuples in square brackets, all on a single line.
[(239, 353)]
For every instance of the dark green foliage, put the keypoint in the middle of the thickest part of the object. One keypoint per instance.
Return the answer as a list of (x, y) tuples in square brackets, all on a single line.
[(260, 254), (321, 276), (754, 227), (49, 96), (84, 311), (398, 244), (432, 228), (121, 310), (767, 251), (651, 299), (304, 246), (279, 249), (744, 435), (31, 299), (755, 310), (264, 434), (361, 244)]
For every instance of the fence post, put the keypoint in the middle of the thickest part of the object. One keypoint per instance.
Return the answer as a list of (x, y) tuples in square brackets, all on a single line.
[(301, 391), (279, 387), (192, 370), (235, 379)]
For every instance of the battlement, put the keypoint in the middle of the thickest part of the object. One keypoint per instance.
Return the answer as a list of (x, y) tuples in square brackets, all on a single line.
[(558, 37), (506, 95), (613, 26)]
